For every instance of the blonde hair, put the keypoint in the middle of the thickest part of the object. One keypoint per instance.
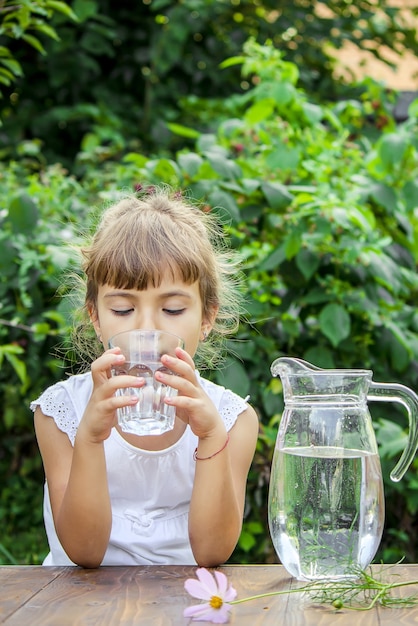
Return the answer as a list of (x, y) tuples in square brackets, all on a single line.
[(140, 239)]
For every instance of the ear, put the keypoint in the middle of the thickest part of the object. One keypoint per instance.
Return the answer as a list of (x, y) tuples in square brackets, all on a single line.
[(94, 318), (207, 322)]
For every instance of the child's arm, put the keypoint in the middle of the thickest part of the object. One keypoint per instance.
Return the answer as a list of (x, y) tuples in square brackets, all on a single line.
[(218, 498), (77, 479), (78, 492)]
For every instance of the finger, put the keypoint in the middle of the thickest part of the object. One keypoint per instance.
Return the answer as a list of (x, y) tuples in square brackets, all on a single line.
[(182, 365), (185, 356), (180, 383), (124, 381), (100, 368)]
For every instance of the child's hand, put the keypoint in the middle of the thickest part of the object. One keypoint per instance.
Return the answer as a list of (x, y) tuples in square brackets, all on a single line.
[(100, 414), (193, 405)]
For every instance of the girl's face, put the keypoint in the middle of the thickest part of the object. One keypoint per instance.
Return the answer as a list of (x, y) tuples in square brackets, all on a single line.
[(173, 306)]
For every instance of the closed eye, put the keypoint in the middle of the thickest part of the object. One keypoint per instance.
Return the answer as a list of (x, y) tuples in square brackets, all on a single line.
[(121, 312), (174, 311)]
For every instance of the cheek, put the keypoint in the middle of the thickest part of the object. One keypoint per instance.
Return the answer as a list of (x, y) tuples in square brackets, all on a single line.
[(191, 340)]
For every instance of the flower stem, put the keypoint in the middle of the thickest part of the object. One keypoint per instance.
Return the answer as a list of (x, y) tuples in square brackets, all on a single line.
[(339, 591)]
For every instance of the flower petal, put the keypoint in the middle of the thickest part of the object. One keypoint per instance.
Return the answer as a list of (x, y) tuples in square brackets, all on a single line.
[(197, 611), (207, 580), (230, 595), (218, 616), (205, 613), (222, 582), (227, 593), (196, 589)]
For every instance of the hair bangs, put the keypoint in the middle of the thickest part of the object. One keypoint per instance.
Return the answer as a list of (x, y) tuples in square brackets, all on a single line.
[(144, 261)]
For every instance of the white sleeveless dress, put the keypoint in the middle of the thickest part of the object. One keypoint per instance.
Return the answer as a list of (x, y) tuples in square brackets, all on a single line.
[(150, 492)]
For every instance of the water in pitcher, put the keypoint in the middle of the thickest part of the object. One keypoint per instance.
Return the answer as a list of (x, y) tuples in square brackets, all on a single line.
[(326, 510)]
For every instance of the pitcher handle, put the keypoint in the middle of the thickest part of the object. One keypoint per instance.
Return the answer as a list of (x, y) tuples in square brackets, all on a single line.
[(394, 392)]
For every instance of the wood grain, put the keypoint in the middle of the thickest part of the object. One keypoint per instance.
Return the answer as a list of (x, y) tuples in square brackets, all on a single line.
[(155, 596)]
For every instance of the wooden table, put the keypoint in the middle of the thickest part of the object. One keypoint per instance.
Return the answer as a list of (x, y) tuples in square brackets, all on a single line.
[(154, 596)]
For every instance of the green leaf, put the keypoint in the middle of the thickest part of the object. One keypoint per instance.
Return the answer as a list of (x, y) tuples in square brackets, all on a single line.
[(89, 142), (183, 131), (23, 214), (11, 352), (13, 65), (413, 109), (384, 270), (273, 260), (234, 376), (410, 193), (224, 202), (283, 92), (400, 349), (363, 218), (334, 322), (5, 79), (226, 168), (259, 111), (137, 159), (392, 149), (385, 196), (246, 540), (41, 330), (277, 195), (34, 42), (8, 258), (283, 158), (236, 60), (85, 9), (391, 437), (166, 170), (61, 7), (312, 112), (190, 163), (206, 141), (320, 356), (47, 30), (307, 262), (315, 296), (292, 244)]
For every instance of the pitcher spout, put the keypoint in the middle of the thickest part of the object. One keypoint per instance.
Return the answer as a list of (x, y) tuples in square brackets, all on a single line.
[(291, 365)]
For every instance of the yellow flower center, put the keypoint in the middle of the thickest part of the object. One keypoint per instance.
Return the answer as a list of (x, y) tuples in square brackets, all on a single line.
[(216, 602)]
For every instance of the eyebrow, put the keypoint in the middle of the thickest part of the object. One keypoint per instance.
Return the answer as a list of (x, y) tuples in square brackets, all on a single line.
[(162, 296)]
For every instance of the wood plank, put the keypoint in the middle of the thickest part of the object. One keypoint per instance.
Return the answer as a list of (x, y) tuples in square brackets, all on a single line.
[(400, 616), (155, 596), (291, 609), (18, 584), (108, 595)]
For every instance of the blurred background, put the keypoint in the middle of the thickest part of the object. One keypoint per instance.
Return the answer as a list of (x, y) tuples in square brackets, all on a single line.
[(295, 122)]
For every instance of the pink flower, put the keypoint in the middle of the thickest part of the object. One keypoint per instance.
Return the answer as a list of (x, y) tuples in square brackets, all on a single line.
[(217, 593)]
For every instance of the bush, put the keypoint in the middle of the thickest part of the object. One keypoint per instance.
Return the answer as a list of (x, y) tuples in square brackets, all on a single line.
[(320, 200), (42, 212), (115, 77)]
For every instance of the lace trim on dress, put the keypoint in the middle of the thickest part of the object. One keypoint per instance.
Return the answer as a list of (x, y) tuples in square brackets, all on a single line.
[(230, 407), (61, 412)]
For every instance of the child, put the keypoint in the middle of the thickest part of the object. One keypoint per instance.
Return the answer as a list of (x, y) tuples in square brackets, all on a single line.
[(114, 498)]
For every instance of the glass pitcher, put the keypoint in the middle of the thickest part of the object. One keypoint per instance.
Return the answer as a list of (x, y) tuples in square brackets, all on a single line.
[(326, 502)]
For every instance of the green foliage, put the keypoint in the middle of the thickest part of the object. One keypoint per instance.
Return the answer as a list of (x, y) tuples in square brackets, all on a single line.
[(39, 213), (28, 22), (319, 200), (320, 203), (119, 74)]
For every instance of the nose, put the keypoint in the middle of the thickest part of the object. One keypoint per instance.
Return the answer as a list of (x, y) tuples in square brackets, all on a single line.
[(145, 321)]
